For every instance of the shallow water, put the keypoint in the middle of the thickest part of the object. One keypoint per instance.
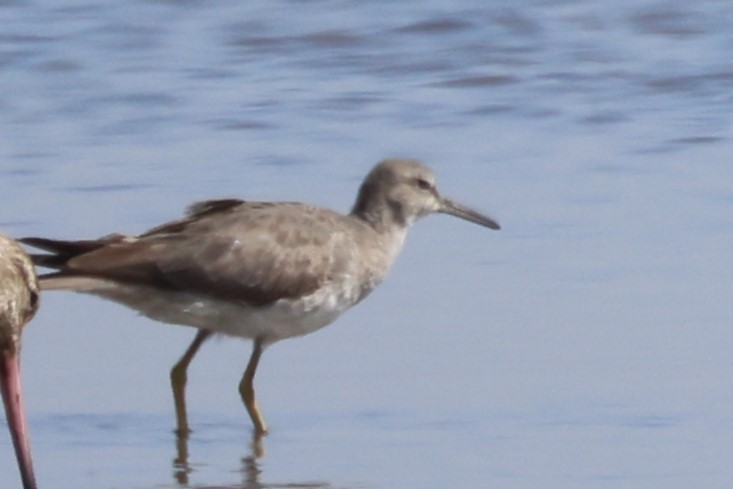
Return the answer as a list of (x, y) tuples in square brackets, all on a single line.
[(587, 344)]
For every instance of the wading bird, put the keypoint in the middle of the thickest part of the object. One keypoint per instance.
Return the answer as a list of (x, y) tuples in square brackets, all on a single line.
[(18, 305), (259, 270)]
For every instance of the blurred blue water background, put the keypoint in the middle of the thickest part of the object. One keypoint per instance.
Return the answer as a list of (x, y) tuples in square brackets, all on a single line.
[(586, 345)]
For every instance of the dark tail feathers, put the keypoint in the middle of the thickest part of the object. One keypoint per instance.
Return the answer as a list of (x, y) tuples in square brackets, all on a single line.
[(61, 251)]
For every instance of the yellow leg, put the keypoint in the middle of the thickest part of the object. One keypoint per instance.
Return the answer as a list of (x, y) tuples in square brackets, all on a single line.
[(178, 381), (247, 390)]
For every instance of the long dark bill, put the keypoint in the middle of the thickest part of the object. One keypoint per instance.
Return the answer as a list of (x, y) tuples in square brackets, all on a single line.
[(13, 399), (455, 209)]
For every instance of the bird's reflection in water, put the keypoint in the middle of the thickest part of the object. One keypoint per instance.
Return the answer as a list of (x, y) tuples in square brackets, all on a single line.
[(181, 468), (250, 470)]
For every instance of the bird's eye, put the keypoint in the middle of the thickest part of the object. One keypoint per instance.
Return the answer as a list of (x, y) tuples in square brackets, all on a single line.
[(423, 184)]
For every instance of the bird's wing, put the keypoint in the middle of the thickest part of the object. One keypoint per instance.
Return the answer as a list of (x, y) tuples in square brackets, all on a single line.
[(251, 252)]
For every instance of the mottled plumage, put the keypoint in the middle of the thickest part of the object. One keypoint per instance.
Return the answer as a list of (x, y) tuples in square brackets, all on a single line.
[(260, 270), (18, 304)]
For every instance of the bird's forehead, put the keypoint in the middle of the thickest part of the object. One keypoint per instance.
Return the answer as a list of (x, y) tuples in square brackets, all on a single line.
[(421, 173), (425, 173), (415, 169)]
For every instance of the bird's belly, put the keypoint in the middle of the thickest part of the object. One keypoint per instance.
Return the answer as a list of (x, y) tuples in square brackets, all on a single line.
[(282, 319)]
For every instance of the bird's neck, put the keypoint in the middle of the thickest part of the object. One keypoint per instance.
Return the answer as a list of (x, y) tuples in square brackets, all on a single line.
[(375, 209), (377, 246)]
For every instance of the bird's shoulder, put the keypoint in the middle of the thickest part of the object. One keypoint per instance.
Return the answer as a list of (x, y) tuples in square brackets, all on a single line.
[(285, 222)]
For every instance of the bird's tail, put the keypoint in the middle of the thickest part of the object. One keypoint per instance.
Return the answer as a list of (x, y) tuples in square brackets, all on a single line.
[(61, 251)]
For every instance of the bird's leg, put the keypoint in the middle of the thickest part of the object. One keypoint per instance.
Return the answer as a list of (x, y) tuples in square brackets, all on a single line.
[(247, 390), (178, 381)]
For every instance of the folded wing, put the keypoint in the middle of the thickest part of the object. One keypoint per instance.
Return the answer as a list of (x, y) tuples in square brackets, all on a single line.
[(233, 250)]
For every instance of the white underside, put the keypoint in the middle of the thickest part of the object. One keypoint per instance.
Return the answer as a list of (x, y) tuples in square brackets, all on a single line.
[(282, 319)]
